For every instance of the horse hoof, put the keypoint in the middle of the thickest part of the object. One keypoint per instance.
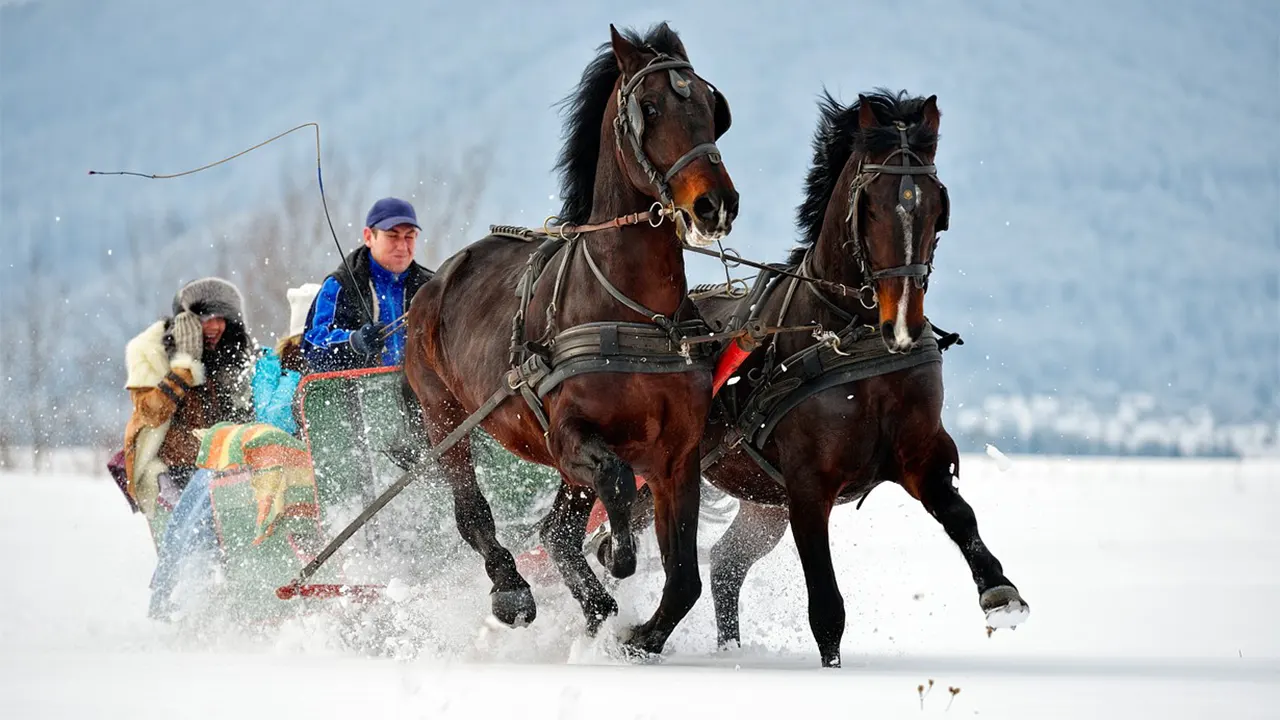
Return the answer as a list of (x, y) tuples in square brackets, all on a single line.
[(640, 646), (596, 541), (832, 661), (596, 616), (1004, 607), (514, 608), (620, 558), (640, 656)]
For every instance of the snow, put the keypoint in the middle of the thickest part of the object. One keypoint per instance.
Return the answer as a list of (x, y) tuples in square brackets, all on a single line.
[(1152, 584), (1002, 461)]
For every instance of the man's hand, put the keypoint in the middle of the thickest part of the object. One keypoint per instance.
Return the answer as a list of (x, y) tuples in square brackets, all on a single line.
[(188, 334), (368, 339)]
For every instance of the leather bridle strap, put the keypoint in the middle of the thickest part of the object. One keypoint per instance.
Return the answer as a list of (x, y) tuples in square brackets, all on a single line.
[(624, 126)]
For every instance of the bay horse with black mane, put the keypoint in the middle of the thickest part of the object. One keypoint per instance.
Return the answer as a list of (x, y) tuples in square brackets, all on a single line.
[(819, 419), (588, 367)]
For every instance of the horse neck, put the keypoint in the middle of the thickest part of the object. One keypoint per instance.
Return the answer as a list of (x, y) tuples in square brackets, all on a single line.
[(643, 262)]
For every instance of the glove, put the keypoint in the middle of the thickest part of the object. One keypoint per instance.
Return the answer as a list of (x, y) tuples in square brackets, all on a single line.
[(188, 334), (368, 340)]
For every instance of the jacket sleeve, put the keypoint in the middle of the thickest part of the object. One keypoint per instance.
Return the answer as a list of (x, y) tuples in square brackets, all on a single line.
[(325, 346), (156, 405), (273, 390), (156, 382)]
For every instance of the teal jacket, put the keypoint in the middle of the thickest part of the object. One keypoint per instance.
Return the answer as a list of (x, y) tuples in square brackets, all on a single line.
[(273, 389)]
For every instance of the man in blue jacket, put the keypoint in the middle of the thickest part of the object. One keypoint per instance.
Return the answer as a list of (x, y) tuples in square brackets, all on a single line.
[(382, 279)]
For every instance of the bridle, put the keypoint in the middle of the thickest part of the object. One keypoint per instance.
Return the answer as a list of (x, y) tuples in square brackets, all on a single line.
[(629, 124), (908, 194)]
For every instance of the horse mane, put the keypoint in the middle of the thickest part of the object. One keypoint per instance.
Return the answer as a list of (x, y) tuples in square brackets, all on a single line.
[(838, 138), (585, 107)]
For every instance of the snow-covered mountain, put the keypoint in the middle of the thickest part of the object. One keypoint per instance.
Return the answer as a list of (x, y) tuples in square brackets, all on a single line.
[(1113, 166)]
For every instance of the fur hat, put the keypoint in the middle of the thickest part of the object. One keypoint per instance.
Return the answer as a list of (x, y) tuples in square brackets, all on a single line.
[(211, 296), (300, 299)]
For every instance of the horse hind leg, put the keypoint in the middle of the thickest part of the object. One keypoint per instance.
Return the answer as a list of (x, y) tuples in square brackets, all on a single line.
[(997, 595), (754, 533), (562, 535)]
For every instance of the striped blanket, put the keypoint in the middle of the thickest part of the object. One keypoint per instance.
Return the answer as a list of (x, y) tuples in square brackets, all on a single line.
[(278, 465)]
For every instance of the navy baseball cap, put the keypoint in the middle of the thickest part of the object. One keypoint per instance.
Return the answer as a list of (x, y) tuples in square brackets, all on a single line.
[(390, 212)]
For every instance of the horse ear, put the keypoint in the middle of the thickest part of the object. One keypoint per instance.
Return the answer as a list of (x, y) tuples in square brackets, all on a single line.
[(866, 116), (932, 116), (627, 55), (723, 117), (677, 45)]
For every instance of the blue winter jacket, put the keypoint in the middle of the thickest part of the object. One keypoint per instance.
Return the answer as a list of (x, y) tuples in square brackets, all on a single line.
[(338, 310)]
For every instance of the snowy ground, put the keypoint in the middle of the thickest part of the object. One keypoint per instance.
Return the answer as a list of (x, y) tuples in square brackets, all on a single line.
[(1154, 588)]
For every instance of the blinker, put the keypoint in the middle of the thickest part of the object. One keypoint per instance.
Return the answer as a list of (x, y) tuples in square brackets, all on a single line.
[(907, 193), (679, 83)]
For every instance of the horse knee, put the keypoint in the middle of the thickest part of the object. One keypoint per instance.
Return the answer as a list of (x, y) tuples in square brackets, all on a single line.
[(615, 481)]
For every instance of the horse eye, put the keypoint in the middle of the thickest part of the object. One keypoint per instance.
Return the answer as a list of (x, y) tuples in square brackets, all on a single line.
[(650, 110)]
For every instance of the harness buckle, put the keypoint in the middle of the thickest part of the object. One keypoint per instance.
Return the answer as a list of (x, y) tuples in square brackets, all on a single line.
[(684, 353), (515, 373), (831, 340), (733, 439)]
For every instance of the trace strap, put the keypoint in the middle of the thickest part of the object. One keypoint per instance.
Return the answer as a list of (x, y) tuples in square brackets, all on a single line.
[(458, 433)]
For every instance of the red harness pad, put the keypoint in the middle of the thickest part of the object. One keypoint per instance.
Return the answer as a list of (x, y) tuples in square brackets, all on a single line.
[(728, 363)]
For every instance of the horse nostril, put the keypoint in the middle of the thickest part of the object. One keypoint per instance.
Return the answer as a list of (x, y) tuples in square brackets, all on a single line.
[(731, 205), (705, 208), (887, 335)]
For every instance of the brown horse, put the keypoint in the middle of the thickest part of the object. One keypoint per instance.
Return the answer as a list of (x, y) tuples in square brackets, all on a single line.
[(623, 394), (867, 408), (812, 423)]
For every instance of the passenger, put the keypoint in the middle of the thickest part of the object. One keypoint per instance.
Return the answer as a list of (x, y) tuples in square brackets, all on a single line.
[(188, 544), (278, 372), (185, 372)]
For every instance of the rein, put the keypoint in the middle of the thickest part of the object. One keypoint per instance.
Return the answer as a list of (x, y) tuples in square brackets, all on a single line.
[(570, 232)]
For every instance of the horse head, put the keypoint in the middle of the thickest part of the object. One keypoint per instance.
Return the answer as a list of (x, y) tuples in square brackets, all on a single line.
[(666, 121), (894, 207)]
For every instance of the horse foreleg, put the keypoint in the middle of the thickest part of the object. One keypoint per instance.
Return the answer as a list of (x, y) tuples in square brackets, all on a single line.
[(511, 599), (676, 511), (997, 595), (562, 534), (601, 542), (587, 460), (810, 514), (754, 533)]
